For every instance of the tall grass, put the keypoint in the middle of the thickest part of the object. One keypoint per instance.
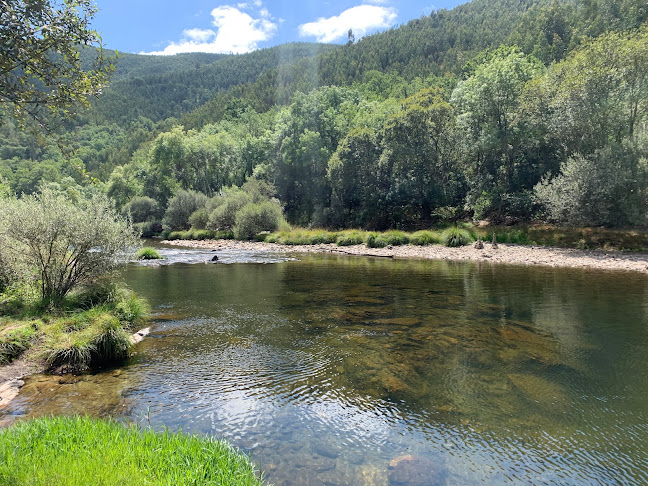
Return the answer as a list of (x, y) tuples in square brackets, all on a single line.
[(90, 328), (455, 237), (148, 253), (82, 451)]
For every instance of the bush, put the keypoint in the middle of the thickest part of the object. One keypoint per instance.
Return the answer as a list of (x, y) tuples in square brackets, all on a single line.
[(454, 237), (142, 208), (148, 253), (607, 188), (44, 451), (181, 207), (254, 218), (223, 217), (148, 229), (62, 244), (199, 219)]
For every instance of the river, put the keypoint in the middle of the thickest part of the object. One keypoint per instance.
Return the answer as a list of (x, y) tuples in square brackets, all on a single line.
[(334, 370)]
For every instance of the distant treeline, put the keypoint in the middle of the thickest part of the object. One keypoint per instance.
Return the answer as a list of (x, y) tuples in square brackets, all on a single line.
[(507, 110)]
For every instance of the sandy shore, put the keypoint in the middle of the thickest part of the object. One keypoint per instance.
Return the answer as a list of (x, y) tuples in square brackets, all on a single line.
[(510, 254)]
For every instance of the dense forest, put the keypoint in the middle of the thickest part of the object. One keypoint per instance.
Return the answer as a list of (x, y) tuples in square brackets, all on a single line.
[(506, 110)]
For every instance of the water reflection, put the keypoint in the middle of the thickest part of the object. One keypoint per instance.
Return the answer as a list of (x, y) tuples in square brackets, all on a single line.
[(335, 370)]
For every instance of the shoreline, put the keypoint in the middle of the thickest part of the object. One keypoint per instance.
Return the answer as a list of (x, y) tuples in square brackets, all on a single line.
[(12, 374), (505, 253)]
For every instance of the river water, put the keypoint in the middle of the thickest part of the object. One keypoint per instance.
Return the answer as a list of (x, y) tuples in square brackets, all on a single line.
[(336, 370)]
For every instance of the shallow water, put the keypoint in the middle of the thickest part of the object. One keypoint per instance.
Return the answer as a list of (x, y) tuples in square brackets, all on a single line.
[(348, 370)]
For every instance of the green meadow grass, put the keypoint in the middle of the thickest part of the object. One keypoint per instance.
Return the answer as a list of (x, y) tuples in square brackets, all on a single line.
[(81, 451)]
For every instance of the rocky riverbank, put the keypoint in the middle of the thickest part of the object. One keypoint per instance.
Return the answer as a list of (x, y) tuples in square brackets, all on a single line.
[(510, 254)]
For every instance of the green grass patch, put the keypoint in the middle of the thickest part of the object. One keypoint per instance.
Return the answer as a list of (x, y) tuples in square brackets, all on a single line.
[(15, 339), (388, 238), (82, 451), (455, 237), (302, 237), (148, 253), (350, 238), (90, 328), (199, 234), (425, 237)]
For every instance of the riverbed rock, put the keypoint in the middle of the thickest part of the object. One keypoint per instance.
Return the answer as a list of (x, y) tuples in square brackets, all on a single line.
[(9, 390), (140, 335), (548, 394), (410, 470), (400, 321)]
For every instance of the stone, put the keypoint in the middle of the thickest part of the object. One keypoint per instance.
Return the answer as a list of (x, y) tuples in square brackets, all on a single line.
[(400, 321), (9, 390), (140, 335), (409, 470), (548, 394)]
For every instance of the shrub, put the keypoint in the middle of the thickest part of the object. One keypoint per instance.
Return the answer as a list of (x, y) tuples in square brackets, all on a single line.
[(62, 244), (254, 218), (454, 237), (181, 207), (223, 217), (148, 253), (148, 229), (199, 219), (607, 188), (44, 451), (142, 208)]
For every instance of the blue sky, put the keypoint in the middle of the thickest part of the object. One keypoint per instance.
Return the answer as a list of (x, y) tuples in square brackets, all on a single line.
[(171, 26)]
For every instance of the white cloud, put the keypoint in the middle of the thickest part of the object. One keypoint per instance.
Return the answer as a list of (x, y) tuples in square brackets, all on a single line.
[(361, 19), (236, 31)]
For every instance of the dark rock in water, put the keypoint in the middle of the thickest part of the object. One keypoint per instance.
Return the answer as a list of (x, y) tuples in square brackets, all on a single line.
[(411, 470), (215, 258), (325, 450)]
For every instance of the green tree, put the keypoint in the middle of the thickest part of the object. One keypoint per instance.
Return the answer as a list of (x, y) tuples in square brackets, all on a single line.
[(492, 147), (41, 76)]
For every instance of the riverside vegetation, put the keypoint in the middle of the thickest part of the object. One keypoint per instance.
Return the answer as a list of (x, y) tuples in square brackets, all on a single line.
[(540, 116), (56, 253)]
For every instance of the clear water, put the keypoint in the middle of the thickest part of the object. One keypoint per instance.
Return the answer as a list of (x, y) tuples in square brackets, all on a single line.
[(342, 370)]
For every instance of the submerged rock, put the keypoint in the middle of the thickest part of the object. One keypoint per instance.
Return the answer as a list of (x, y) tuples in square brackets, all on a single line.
[(400, 321), (550, 395), (409, 470)]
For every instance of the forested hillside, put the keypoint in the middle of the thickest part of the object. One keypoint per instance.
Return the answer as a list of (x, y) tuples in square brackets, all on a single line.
[(508, 110)]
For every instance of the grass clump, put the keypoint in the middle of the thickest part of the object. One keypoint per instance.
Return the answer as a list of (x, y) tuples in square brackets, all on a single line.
[(82, 451), (455, 237), (424, 238), (15, 340), (301, 237), (148, 253), (350, 238), (90, 327)]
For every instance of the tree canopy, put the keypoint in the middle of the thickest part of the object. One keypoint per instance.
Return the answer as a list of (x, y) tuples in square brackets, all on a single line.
[(41, 74)]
